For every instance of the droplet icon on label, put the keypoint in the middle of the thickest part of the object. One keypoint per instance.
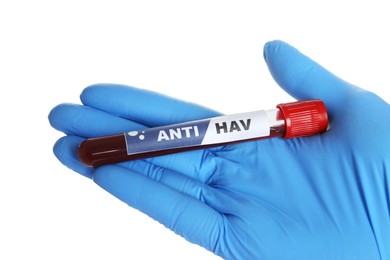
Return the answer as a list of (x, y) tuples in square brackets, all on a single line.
[(133, 133)]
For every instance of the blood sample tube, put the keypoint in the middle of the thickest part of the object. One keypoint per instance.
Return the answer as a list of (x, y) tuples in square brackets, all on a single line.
[(289, 120)]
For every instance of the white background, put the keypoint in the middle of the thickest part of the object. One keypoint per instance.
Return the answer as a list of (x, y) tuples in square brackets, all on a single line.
[(208, 52)]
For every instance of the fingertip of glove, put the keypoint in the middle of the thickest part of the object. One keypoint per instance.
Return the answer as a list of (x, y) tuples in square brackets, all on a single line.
[(57, 148), (96, 94), (272, 47), (55, 115), (89, 92), (65, 149), (93, 91)]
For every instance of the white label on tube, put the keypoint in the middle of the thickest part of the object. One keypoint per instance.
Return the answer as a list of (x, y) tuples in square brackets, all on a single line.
[(237, 127)]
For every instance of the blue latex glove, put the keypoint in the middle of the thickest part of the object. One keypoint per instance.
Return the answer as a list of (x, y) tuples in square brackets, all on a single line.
[(319, 197)]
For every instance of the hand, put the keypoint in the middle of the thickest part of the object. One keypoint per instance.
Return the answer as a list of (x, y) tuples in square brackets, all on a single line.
[(319, 197)]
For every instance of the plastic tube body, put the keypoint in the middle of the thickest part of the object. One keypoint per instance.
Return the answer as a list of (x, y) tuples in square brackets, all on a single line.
[(200, 134), (113, 149)]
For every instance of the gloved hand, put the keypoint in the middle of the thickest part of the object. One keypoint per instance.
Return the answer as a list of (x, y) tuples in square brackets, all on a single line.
[(319, 197)]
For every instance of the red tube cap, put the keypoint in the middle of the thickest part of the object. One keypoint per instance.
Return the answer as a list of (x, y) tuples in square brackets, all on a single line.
[(304, 118)]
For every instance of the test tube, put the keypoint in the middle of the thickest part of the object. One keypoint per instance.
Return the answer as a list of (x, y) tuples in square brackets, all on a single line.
[(288, 120)]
